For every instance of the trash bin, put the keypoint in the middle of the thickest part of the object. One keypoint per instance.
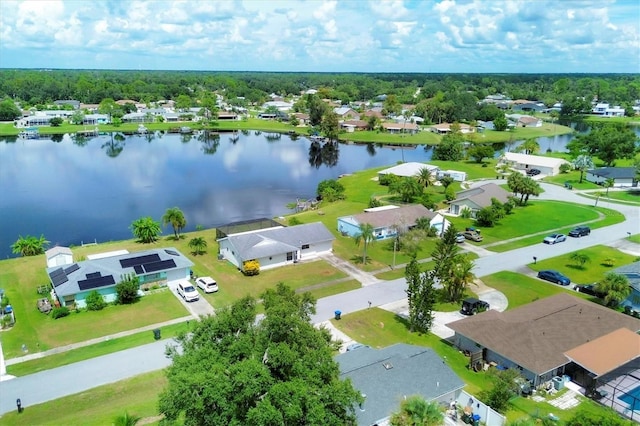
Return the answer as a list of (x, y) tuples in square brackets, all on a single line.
[(338, 314), (156, 334), (558, 383), (476, 419)]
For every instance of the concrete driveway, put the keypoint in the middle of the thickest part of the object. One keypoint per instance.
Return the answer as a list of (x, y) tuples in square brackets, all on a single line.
[(198, 308)]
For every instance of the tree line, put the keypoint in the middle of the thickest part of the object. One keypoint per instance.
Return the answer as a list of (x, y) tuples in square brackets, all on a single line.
[(35, 87)]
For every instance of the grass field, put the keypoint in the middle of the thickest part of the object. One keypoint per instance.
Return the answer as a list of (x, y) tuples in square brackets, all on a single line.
[(521, 289), (20, 277), (593, 271), (95, 407), (629, 196)]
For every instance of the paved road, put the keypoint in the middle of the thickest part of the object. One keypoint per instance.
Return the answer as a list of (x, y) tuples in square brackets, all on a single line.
[(80, 376), (84, 375)]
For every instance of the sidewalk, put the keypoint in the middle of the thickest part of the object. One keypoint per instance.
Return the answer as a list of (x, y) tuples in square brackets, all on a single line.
[(77, 345)]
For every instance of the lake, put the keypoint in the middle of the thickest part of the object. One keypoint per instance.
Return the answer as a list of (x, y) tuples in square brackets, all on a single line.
[(80, 191)]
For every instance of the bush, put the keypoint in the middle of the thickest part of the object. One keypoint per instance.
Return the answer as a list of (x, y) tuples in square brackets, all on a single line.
[(127, 290), (294, 221), (565, 168), (95, 301), (251, 267), (387, 179), (59, 312), (374, 202), (449, 193)]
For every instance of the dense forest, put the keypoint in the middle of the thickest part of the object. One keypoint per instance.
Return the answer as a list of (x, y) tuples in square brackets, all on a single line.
[(32, 87)]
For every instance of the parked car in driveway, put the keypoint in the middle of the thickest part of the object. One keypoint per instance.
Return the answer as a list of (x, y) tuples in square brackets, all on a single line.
[(554, 277), (472, 235), (589, 289), (471, 306), (188, 292), (459, 237), (207, 284), (580, 231), (533, 172), (555, 238)]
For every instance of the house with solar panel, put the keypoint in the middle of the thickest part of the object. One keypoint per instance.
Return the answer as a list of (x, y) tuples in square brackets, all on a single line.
[(73, 281)]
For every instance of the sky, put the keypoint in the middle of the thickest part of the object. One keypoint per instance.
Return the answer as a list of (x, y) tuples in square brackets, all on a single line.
[(422, 36)]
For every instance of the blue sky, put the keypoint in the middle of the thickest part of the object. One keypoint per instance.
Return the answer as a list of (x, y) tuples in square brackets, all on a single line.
[(492, 36)]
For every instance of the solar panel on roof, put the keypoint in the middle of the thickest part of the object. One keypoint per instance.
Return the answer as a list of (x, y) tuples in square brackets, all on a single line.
[(158, 266), (139, 270), (139, 260), (93, 275), (71, 269), (172, 252), (96, 282), (59, 279), (58, 271)]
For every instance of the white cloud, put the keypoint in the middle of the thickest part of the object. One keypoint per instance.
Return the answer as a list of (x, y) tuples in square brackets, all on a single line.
[(313, 35)]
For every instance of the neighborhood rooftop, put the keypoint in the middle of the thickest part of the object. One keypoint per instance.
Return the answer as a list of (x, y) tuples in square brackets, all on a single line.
[(537, 335)]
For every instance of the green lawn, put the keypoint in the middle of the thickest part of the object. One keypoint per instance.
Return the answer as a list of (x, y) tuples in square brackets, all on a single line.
[(609, 217), (20, 278), (635, 238), (95, 350), (337, 288), (99, 406), (521, 289), (592, 271), (573, 178), (630, 196)]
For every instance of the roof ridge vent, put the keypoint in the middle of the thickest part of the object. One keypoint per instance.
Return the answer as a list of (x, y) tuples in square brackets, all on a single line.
[(387, 365)]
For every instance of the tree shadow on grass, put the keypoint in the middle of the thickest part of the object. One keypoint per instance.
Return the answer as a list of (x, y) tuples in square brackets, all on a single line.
[(357, 259)]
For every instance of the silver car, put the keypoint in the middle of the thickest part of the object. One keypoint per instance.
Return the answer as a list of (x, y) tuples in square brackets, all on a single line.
[(555, 238)]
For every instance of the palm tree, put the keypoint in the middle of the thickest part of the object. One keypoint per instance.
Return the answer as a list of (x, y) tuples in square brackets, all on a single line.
[(198, 245), (461, 277), (583, 163), (608, 184), (530, 146), (407, 188), (175, 217), (126, 420), (425, 176), (416, 411), (146, 229), (366, 235), (29, 245), (615, 287)]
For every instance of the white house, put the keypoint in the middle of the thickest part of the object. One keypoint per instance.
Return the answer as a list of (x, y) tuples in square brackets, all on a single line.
[(608, 110), (409, 169), (73, 282), (622, 176), (58, 256), (547, 165), (277, 246), (458, 176)]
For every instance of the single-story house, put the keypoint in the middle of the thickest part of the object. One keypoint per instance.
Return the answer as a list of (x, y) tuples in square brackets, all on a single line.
[(477, 198), (547, 165), (277, 246), (302, 118), (346, 113), (410, 169), (280, 105), (73, 282), (622, 176), (352, 125), (535, 337), (444, 128), (92, 119), (608, 110), (137, 117), (524, 120), (228, 116), (385, 377), (401, 127), (458, 176), (58, 255), (528, 106), (388, 220), (75, 104)]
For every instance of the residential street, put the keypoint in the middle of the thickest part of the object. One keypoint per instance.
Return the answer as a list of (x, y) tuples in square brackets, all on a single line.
[(41, 387)]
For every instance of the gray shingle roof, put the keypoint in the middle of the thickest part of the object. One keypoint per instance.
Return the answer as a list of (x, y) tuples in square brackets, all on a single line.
[(535, 336), (414, 370), (111, 266), (483, 194), (406, 215), (269, 242), (614, 172)]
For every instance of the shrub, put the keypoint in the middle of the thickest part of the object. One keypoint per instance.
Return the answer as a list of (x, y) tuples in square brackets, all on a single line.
[(449, 193), (294, 221), (95, 301), (251, 267), (127, 290), (565, 168), (387, 179), (465, 213), (59, 312), (374, 202)]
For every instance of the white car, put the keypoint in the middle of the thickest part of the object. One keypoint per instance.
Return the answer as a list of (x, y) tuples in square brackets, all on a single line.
[(188, 292), (207, 284), (555, 238)]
